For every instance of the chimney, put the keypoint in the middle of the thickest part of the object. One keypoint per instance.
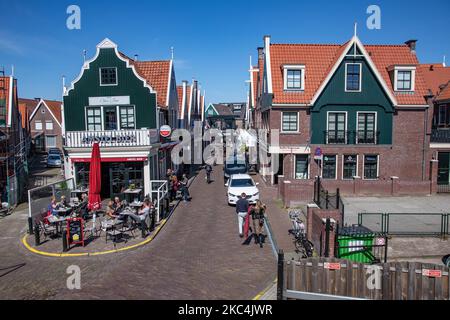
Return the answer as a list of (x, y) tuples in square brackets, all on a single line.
[(266, 41), (412, 45), (260, 53), (136, 57), (431, 68)]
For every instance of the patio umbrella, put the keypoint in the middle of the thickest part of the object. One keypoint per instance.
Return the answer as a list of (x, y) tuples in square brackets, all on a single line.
[(95, 179)]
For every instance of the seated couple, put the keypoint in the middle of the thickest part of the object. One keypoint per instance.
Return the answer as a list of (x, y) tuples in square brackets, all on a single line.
[(113, 212)]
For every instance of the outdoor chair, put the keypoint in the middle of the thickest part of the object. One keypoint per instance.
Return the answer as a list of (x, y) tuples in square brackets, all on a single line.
[(47, 230)]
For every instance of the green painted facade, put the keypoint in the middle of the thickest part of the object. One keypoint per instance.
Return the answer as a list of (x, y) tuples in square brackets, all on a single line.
[(372, 98), (210, 111), (128, 85)]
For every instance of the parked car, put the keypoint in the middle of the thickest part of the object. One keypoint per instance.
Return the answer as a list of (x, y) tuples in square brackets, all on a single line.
[(446, 260), (54, 161), (54, 151), (242, 183), (234, 166)]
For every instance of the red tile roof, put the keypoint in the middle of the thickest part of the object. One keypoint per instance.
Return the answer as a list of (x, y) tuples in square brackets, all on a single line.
[(26, 108), (435, 75), (55, 108), (444, 95), (157, 75), (319, 60), (180, 100)]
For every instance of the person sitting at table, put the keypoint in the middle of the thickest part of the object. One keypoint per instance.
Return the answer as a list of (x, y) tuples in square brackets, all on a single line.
[(63, 203), (110, 211), (52, 207), (143, 213), (118, 205), (83, 210)]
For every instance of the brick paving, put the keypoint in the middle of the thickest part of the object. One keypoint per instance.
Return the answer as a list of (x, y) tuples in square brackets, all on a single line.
[(198, 255)]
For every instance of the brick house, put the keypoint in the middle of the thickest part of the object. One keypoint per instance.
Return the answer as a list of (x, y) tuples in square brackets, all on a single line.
[(437, 78), (361, 108), (44, 123)]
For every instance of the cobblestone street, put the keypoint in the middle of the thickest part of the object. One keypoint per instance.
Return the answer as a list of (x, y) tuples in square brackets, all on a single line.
[(198, 255)]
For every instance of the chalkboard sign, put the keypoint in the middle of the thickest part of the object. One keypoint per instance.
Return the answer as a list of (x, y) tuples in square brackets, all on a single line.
[(75, 232)]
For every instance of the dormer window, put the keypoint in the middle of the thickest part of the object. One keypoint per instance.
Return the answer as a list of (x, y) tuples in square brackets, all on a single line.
[(108, 76), (353, 77), (294, 78), (404, 78)]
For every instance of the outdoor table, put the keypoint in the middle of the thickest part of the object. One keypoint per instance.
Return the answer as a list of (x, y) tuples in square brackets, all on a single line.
[(63, 211), (136, 205), (58, 223), (135, 193)]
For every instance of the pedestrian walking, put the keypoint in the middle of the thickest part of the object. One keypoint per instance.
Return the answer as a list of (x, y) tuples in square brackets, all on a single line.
[(208, 169), (184, 188), (242, 206), (257, 214)]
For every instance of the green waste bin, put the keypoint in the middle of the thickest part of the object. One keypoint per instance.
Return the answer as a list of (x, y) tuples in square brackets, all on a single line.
[(355, 243)]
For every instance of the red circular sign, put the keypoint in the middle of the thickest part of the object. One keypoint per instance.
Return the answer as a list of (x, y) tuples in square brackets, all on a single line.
[(165, 131)]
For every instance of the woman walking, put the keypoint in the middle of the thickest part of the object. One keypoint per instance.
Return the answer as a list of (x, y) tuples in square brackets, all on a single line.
[(257, 214)]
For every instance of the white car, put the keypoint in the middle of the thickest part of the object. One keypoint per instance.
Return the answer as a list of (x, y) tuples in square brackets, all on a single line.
[(242, 183)]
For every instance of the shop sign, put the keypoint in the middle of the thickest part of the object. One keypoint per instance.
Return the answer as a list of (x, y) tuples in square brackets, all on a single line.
[(432, 273), (109, 101), (165, 131), (107, 139)]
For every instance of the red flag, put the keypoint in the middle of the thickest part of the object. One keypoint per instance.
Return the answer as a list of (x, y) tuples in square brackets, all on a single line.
[(95, 179)]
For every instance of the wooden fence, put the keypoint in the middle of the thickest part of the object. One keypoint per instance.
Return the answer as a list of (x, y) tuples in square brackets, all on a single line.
[(343, 278)]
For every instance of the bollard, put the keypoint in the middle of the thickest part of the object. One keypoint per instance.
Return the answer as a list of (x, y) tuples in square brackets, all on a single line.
[(64, 240), (280, 281), (30, 225), (152, 225), (37, 238)]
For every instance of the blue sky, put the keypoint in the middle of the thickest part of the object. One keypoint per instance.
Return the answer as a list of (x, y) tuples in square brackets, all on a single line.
[(212, 39)]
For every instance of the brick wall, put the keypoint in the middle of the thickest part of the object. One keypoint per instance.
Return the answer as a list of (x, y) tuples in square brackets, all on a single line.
[(315, 228)]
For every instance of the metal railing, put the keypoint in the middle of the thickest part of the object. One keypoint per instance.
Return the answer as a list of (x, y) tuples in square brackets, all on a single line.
[(352, 137), (328, 201), (440, 135), (407, 224), (122, 138)]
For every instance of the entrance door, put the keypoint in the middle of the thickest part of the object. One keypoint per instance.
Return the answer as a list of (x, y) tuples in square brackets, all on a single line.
[(443, 172), (110, 118)]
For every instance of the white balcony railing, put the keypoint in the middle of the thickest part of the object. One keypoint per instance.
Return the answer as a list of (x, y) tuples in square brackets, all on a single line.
[(122, 138)]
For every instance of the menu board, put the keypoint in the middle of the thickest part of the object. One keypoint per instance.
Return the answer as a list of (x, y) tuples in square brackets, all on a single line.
[(75, 232)]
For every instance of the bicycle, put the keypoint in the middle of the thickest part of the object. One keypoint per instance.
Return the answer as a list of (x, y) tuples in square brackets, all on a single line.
[(303, 246)]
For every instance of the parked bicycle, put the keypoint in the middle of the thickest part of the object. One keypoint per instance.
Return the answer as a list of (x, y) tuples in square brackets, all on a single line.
[(303, 246)]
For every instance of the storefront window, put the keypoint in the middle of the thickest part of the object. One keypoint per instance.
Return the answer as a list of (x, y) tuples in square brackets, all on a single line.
[(301, 167), (329, 167), (350, 166), (82, 174)]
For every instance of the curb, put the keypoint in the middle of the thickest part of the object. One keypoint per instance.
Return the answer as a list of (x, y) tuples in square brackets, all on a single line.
[(262, 293)]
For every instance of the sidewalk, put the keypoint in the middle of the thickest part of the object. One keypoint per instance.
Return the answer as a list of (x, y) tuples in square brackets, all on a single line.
[(278, 217)]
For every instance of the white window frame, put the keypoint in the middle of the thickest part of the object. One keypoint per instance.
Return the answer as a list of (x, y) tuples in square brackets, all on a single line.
[(343, 163), (100, 77), (335, 170), (46, 139), (378, 168), (287, 68), (101, 115), (47, 123), (118, 117), (357, 126), (346, 123), (298, 122), (36, 125), (360, 77), (413, 78), (308, 157)]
